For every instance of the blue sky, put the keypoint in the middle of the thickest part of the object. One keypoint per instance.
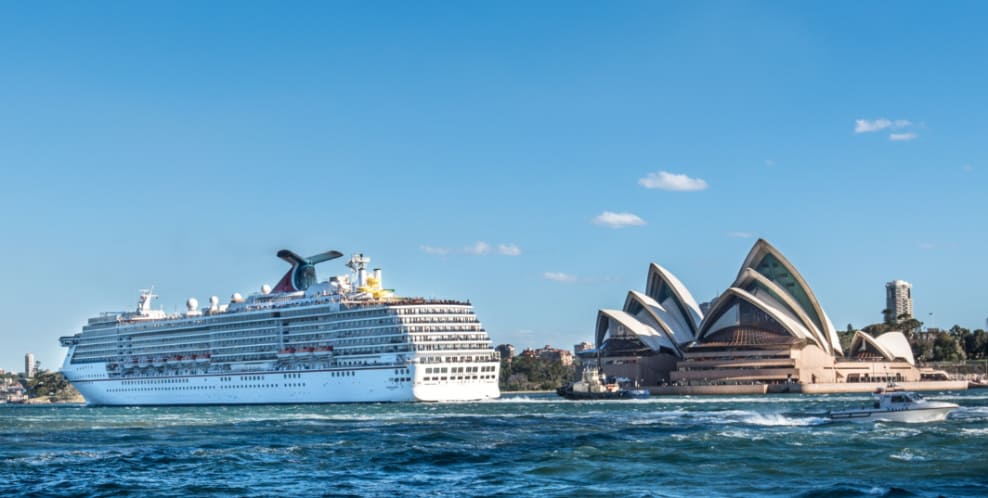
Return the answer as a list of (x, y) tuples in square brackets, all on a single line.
[(474, 150)]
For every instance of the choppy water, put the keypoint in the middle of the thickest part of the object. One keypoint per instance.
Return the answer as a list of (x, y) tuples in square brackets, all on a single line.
[(516, 446)]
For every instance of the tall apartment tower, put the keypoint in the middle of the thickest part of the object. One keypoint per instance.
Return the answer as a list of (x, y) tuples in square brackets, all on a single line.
[(899, 298), (29, 366)]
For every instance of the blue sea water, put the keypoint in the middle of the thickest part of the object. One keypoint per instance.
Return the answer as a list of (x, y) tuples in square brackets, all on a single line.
[(528, 445)]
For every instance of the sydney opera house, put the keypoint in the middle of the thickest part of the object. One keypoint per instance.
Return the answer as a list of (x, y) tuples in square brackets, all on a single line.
[(767, 331)]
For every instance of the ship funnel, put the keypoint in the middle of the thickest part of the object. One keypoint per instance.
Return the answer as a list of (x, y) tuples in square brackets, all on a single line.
[(303, 271)]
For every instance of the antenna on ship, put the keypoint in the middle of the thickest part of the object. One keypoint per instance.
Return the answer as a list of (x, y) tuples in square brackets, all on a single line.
[(144, 301), (358, 263)]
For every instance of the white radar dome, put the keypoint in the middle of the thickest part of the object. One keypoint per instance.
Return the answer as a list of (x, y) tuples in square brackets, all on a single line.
[(214, 301), (192, 303), (237, 298), (265, 289)]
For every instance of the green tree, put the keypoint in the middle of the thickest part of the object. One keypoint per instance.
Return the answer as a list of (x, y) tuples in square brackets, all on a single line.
[(524, 372), (887, 317), (947, 348), (909, 326), (845, 338), (976, 345), (49, 384)]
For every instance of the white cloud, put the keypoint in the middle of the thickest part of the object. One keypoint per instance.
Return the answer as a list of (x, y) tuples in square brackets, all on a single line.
[(865, 126), (967, 167), (740, 235), (435, 251), (559, 277), (618, 220), (479, 248), (769, 162), (902, 137), (671, 181), (927, 245)]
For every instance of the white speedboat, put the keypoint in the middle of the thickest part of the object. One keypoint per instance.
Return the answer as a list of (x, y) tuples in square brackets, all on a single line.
[(892, 405)]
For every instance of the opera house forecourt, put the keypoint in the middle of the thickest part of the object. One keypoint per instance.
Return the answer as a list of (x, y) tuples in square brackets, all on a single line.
[(766, 333)]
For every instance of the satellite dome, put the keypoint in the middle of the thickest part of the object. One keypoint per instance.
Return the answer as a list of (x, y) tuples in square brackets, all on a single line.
[(265, 289), (192, 303), (237, 298), (214, 301)]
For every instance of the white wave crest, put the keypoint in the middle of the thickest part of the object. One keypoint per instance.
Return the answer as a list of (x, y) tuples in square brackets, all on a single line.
[(778, 419), (907, 456)]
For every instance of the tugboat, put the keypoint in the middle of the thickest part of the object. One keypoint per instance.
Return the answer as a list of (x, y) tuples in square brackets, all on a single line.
[(595, 385), (894, 405)]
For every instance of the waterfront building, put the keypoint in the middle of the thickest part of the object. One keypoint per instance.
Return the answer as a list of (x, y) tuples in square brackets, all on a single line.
[(767, 328), (550, 353), (29, 366), (645, 339), (581, 347), (899, 298), (507, 351)]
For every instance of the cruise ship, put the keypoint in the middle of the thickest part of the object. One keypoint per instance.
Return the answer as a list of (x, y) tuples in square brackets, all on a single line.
[(346, 339)]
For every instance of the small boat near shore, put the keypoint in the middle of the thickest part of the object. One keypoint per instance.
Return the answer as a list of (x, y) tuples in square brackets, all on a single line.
[(893, 405), (593, 384)]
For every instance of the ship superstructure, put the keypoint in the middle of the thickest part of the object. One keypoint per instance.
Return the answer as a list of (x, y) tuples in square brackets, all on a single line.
[(346, 339)]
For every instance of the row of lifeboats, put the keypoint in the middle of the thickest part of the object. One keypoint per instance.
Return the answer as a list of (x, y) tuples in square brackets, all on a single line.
[(306, 352), (160, 361)]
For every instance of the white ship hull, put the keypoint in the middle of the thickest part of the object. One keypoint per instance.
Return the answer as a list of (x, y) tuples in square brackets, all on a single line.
[(344, 340), (367, 385)]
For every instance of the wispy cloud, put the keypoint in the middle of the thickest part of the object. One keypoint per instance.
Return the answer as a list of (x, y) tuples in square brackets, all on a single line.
[(866, 126), (556, 276), (926, 246), (435, 251), (740, 235), (618, 220), (769, 162), (672, 181), (902, 137), (479, 248), (967, 168)]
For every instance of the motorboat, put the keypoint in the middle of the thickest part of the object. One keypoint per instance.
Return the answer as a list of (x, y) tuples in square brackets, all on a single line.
[(594, 384), (894, 405)]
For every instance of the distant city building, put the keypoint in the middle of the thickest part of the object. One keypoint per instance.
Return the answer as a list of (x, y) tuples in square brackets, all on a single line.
[(29, 368), (507, 351), (581, 347), (706, 305), (899, 298), (529, 353), (552, 354), (11, 391)]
